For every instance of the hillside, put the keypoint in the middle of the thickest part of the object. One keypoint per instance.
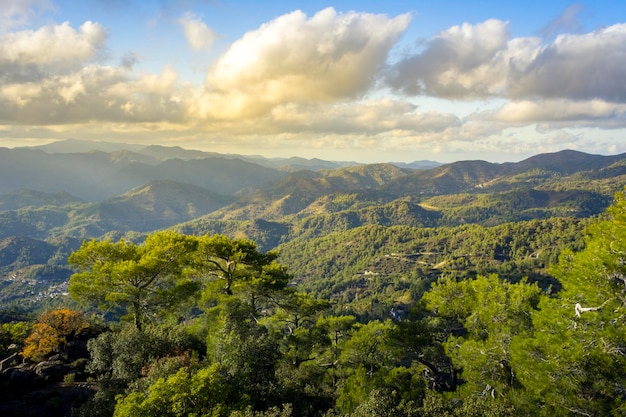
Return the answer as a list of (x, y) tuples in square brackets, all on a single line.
[(96, 175), (297, 191), (204, 194), (156, 205), (27, 198), (463, 192)]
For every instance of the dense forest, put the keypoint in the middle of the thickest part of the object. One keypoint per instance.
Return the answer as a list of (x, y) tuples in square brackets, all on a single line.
[(459, 290), (211, 326)]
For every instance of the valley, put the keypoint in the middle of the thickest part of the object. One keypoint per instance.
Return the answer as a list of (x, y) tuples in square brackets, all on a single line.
[(295, 206)]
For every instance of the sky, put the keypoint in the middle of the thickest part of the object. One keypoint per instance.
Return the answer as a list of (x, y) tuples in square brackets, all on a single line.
[(367, 81)]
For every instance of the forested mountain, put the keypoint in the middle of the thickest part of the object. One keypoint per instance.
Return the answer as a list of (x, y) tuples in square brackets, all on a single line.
[(156, 205), (153, 206), (209, 325), (297, 191), (365, 290), (565, 162), (27, 198), (94, 176), (227, 195)]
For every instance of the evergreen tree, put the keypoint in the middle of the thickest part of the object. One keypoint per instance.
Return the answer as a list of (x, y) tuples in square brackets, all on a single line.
[(574, 361), (145, 280)]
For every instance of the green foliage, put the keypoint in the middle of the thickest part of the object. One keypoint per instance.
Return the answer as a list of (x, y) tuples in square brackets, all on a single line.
[(369, 360), (144, 280), (233, 261), (123, 354), (470, 334), (369, 270), (12, 337), (572, 362), (284, 411), (188, 392), (436, 405), (491, 312)]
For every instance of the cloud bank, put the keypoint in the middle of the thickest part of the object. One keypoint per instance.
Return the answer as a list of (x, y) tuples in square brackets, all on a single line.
[(483, 61), (314, 81)]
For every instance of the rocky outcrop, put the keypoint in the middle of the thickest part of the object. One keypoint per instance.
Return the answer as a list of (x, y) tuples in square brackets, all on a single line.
[(51, 388)]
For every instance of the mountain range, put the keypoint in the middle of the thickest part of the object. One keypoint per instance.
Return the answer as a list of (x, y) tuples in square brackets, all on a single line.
[(54, 196)]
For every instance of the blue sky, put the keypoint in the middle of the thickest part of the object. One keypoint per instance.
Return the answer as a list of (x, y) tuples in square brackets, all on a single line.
[(370, 81)]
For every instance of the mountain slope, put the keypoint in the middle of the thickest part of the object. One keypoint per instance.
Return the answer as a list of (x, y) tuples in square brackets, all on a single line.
[(22, 251), (296, 191), (28, 198), (481, 176), (564, 162), (95, 176), (445, 179), (159, 204), (221, 175)]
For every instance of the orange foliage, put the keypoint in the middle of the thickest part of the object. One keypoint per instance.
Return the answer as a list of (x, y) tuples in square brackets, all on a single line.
[(52, 331)]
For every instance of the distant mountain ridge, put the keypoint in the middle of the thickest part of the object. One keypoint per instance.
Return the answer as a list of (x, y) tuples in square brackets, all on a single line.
[(159, 204), (96, 175), (163, 153), (82, 146), (261, 192), (51, 201)]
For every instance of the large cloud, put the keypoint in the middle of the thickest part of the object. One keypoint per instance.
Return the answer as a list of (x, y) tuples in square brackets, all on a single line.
[(369, 117), (579, 67), (94, 93), (53, 75), (56, 48), (302, 82), (457, 63), (481, 61), (327, 57)]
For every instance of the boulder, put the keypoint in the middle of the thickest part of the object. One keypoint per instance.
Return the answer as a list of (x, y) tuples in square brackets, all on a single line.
[(20, 376), (12, 360), (52, 370)]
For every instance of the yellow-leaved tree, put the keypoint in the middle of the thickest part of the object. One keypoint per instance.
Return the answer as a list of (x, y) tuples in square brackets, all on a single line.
[(52, 331)]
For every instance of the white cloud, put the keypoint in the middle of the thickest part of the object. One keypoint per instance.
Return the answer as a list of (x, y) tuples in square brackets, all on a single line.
[(327, 57), (50, 49), (95, 93), (313, 82), (369, 117), (481, 61), (52, 75), (579, 67), (459, 62), (197, 33)]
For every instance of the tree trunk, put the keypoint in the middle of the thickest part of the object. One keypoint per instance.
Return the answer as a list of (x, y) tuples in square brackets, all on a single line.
[(137, 315)]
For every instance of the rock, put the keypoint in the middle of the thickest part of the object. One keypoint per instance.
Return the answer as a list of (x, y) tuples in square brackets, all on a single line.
[(12, 360), (20, 376), (51, 370), (57, 358)]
